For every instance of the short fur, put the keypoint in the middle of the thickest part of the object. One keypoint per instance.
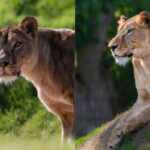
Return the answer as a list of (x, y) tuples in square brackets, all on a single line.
[(46, 58), (133, 41)]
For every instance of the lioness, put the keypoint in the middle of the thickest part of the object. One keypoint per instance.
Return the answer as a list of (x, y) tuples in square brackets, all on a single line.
[(133, 41), (44, 57)]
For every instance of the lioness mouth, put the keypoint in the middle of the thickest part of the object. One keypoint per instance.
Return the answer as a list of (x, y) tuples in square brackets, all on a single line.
[(125, 55), (9, 71), (121, 60)]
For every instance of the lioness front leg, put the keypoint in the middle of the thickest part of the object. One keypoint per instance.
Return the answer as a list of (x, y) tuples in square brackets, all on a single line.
[(66, 114), (67, 126), (131, 121)]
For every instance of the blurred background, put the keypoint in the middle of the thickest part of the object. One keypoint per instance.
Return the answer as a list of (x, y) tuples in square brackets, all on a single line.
[(22, 116), (103, 89)]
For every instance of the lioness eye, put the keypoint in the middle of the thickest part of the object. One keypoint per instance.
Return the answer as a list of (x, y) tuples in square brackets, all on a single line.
[(18, 44), (130, 30)]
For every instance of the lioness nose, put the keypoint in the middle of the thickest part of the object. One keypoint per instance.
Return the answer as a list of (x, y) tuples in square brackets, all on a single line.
[(113, 47), (4, 62)]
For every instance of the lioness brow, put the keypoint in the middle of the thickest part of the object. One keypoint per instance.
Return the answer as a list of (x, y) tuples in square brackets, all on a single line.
[(22, 34)]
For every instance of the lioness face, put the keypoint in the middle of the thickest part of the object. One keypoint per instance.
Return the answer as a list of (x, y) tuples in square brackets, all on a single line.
[(132, 39), (16, 45)]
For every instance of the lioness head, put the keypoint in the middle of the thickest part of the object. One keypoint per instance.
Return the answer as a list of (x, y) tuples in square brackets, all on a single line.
[(16, 45), (132, 39)]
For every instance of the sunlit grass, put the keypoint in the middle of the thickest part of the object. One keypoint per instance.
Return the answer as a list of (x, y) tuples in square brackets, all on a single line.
[(8, 142), (93, 133)]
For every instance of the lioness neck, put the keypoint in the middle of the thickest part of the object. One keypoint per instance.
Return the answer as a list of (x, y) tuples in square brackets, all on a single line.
[(37, 69), (48, 72), (142, 77)]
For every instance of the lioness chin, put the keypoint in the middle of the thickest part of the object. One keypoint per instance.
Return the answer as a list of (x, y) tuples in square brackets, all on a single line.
[(133, 41), (46, 58)]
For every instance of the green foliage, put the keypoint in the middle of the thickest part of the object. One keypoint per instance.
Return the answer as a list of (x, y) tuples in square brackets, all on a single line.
[(41, 124), (127, 144), (52, 13), (18, 104), (147, 135)]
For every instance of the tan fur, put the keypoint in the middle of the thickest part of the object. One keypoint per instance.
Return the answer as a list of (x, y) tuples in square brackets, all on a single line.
[(46, 58), (135, 43)]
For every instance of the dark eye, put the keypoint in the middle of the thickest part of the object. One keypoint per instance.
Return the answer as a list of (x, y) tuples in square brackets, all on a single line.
[(130, 30), (18, 44)]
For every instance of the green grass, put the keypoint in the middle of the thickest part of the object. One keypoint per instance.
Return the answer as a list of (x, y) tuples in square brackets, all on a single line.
[(93, 133), (41, 131), (8, 142)]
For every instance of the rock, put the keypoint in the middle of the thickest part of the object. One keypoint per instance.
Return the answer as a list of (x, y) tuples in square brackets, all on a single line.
[(139, 140)]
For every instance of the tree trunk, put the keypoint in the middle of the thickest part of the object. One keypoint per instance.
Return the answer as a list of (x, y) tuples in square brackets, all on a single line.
[(94, 89)]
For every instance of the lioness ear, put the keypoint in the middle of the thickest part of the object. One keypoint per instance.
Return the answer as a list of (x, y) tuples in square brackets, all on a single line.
[(122, 20), (143, 19), (29, 25)]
